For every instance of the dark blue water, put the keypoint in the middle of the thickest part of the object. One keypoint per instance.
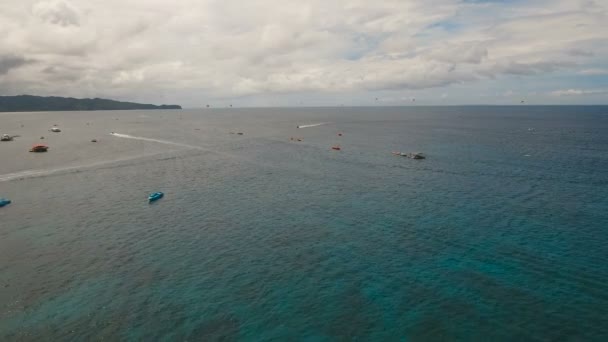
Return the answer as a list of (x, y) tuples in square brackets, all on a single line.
[(500, 234)]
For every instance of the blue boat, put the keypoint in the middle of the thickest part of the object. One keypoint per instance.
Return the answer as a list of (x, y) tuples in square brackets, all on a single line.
[(4, 201), (155, 196)]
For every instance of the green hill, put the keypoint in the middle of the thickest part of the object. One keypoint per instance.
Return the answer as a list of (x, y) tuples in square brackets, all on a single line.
[(29, 103)]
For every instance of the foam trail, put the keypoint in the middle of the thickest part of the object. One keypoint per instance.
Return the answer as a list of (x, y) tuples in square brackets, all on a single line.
[(126, 136), (313, 125), (46, 172)]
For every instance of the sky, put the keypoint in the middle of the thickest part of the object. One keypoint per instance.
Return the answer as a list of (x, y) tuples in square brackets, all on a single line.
[(307, 52)]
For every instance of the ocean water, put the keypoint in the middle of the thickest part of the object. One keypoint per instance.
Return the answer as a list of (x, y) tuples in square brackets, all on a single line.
[(501, 234)]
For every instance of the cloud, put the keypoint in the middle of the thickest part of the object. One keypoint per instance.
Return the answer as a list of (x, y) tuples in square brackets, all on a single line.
[(8, 62), (580, 52), (139, 49), (578, 92), (56, 12), (527, 68), (593, 72)]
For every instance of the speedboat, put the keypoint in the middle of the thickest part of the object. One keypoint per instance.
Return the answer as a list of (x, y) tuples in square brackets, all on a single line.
[(6, 137), (4, 201), (337, 148), (39, 148), (413, 155), (416, 155), (55, 129), (155, 196)]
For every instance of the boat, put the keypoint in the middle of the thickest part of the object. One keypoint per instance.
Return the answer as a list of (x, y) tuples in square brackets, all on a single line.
[(94, 140), (155, 196), (337, 148), (411, 155), (39, 148), (416, 155), (55, 129), (4, 201), (6, 137)]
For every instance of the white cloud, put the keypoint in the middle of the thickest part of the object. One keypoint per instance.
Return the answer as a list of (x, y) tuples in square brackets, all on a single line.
[(593, 72), (222, 49), (578, 92), (56, 12)]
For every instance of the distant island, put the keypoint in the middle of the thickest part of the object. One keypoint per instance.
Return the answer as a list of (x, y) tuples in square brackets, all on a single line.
[(30, 103)]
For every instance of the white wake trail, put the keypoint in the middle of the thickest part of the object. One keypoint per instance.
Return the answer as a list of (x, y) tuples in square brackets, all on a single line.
[(46, 172), (313, 125), (166, 142)]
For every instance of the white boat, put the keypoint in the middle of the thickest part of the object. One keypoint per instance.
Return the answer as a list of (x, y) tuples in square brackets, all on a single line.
[(55, 129), (6, 137)]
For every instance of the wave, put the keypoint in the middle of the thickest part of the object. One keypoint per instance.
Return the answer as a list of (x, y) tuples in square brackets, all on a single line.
[(313, 125)]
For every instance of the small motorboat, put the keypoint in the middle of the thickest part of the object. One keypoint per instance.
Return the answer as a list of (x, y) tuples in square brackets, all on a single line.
[(4, 201), (94, 140), (416, 155), (412, 155), (39, 148), (337, 148), (55, 129), (6, 137), (155, 196)]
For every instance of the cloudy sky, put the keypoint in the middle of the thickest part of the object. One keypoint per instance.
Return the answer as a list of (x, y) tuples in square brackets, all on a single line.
[(307, 52)]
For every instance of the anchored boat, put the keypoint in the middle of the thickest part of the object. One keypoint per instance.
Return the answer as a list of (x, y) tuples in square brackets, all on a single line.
[(39, 148), (412, 155), (155, 196)]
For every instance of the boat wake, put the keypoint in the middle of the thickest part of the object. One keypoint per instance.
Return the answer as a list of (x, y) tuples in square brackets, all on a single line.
[(47, 172), (313, 125), (126, 136)]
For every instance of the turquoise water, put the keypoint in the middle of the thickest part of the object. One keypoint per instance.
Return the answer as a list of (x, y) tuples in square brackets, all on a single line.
[(500, 234)]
